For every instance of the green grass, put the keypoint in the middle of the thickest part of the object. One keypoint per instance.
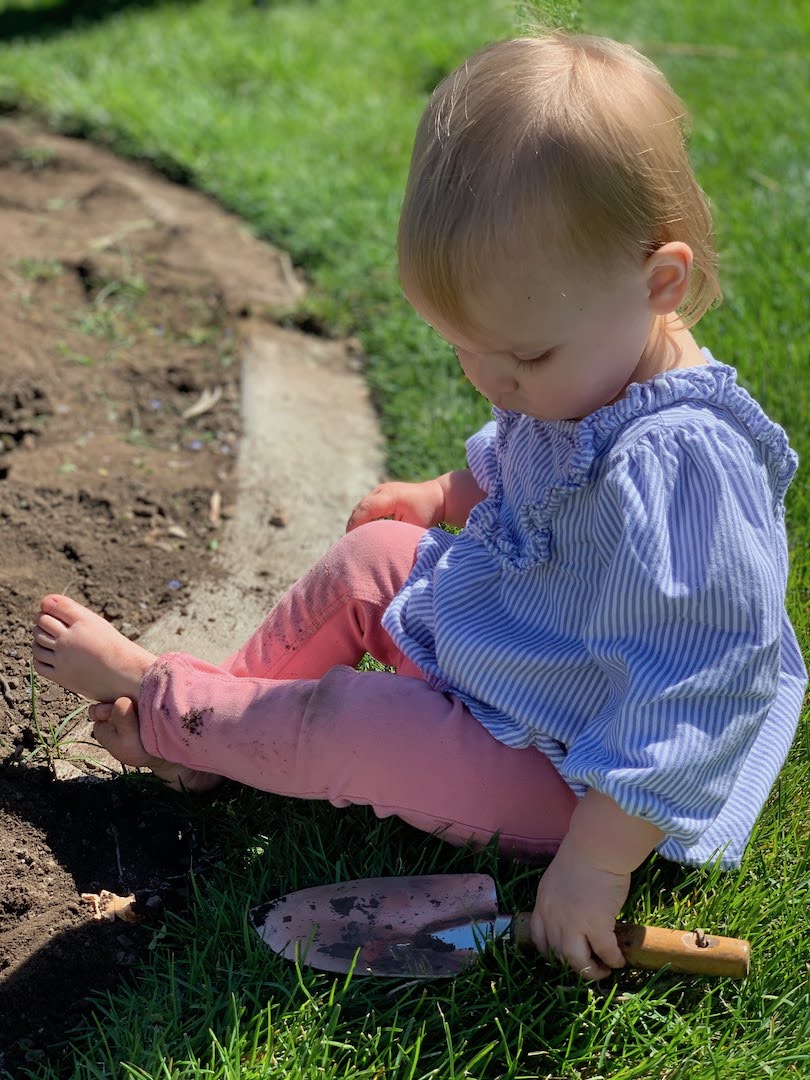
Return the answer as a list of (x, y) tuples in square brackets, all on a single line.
[(300, 116)]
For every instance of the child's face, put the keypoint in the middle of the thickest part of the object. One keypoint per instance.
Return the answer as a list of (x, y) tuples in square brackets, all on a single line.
[(553, 346)]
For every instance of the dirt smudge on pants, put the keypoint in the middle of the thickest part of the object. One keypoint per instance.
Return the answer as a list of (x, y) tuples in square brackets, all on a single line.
[(193, 720)]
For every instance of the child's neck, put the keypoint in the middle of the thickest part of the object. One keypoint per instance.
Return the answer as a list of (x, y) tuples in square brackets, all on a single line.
[(670, 346)]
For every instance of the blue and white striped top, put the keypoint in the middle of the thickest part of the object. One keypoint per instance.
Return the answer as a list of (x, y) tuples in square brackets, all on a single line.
[(617, 601)]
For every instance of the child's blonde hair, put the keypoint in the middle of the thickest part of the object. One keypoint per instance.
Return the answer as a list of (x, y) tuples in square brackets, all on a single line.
[(571, 143)]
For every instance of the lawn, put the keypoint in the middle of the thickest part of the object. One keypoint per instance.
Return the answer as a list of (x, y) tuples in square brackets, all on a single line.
[(299, 116)]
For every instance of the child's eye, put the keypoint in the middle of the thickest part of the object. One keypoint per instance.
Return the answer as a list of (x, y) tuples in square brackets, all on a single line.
[(529, 361)]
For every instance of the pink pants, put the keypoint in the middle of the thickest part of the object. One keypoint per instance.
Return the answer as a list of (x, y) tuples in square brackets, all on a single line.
[(288, 713)]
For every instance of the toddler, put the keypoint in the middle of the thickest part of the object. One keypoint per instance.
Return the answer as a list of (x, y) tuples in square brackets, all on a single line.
[(599, 663)]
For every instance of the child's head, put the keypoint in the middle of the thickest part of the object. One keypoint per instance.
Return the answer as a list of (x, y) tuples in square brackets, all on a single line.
[(564, 150)]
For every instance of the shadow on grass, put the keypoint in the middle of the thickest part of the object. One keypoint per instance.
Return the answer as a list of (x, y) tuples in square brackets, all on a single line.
[(23, 21)]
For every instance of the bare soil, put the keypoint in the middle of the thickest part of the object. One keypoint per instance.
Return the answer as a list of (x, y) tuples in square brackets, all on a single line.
[(119, 426)]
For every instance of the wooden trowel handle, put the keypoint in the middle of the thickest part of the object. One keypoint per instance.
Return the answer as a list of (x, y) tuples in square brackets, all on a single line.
[(654, 947)]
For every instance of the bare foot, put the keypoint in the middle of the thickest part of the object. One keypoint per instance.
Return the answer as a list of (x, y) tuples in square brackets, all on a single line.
[(116, 729), (84, 653)]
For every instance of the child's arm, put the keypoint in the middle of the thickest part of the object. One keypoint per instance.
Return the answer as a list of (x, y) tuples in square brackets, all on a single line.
[(581, 893), (448, 498)]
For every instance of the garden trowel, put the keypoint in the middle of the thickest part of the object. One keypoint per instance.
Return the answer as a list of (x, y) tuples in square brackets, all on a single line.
[(434, 926)]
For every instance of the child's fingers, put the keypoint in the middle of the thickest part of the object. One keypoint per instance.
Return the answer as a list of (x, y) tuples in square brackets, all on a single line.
[(539, 936), (377, 504), (101, 712), (606, 947), (577, 952), (361, 515)]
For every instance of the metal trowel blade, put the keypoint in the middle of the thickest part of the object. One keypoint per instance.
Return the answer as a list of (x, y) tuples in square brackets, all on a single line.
[(427, 926)]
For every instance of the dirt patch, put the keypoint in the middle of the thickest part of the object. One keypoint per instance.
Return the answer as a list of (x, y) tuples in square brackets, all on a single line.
[(119, 427), (59, 840)]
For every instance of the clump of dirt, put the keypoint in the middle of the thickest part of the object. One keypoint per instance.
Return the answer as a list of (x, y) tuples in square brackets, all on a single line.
[(119, 427)]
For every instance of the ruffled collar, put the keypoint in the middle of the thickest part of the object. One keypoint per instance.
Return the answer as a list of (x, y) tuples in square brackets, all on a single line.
[(714, 385)]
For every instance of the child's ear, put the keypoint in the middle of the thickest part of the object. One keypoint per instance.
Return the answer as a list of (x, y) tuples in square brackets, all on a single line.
[(668, 271)]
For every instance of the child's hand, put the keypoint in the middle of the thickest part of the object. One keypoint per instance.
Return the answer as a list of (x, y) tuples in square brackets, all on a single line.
[(575, 913), (418, 504)]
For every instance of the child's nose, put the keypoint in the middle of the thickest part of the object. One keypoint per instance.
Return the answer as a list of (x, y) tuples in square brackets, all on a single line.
[(489, 377), (497, 385)]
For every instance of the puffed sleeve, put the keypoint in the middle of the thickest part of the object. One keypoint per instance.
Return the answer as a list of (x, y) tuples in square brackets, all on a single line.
[(481, 456), (686, 627)]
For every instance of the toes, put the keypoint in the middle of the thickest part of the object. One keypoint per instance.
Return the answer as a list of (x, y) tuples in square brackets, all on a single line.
[(43, 656), (121, 713), (62, 607), (119, 735), (50, 625), (105, 735), (43, 639), (124, 711)]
